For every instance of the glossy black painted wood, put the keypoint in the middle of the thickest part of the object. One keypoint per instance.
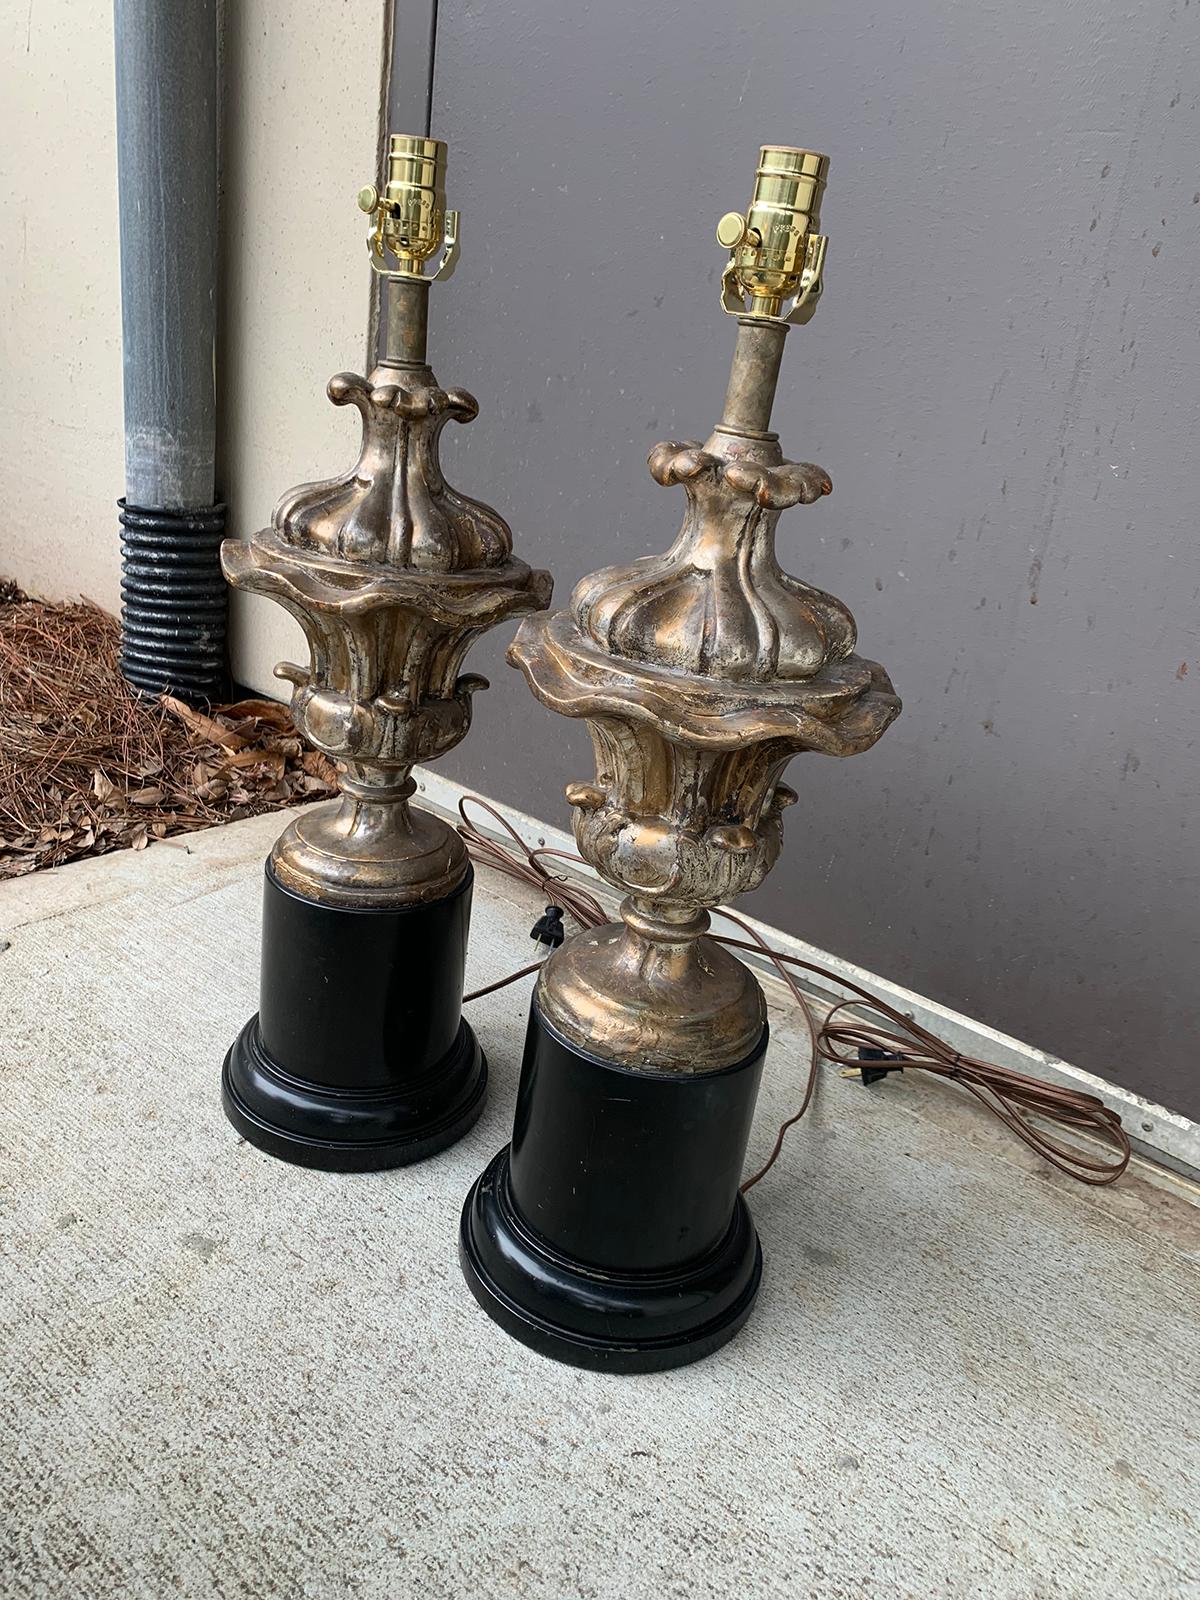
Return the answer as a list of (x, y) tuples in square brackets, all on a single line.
[(610, 1233), (358, 1057)]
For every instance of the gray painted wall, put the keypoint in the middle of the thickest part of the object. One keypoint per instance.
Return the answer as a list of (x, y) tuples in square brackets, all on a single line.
[(1002, 381)]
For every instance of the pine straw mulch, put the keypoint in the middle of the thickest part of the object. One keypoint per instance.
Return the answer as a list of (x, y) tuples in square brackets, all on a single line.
[(87, 766)]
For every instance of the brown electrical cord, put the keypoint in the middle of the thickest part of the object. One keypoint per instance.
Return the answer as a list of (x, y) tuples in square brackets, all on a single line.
[(1011, 1096), (1007, 1094), (572, 897), (502, 983), (779, 961)]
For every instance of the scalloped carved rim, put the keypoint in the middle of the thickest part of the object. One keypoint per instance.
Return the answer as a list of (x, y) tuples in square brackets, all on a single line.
[(841, 713), (265, 564)]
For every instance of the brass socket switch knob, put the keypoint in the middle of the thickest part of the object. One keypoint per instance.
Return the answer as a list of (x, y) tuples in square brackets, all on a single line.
[(368, 198), (731, 230)]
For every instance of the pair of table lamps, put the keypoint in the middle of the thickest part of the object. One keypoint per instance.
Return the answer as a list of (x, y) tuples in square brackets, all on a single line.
[(610, 1233)]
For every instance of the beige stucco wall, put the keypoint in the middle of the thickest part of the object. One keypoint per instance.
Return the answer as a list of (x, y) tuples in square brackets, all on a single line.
[(61, 450), (303, 82)]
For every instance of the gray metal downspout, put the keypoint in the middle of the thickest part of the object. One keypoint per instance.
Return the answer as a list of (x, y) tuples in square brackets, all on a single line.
[(173, 612)]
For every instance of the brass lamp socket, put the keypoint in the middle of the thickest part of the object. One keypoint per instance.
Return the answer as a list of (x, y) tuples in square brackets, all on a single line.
[(777, 244), (411, 220)]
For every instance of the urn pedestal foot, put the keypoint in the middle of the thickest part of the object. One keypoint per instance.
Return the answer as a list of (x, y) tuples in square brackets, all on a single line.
[(610, 1234), (358, 1058)]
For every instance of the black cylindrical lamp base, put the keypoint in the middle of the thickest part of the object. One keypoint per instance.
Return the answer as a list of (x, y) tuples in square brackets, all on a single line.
[(358, 1058), (610, 1233)]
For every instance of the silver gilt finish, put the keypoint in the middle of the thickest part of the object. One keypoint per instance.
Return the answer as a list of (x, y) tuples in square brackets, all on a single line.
[(393, 575), (700, 674)]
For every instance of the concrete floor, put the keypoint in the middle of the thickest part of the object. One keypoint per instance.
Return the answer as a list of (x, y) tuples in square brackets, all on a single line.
[(223, 1377)]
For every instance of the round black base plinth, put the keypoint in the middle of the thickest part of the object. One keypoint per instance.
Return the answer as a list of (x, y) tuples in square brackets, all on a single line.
[(591, 1317), (358, 1058), (315, 1127), (611, 1233)]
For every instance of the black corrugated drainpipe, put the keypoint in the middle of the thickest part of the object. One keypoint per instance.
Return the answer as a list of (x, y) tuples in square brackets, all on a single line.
[(173, 612)]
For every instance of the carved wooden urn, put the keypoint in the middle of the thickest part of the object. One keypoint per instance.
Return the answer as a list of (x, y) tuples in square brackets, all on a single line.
[(358, 1056), (611, 1233)]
